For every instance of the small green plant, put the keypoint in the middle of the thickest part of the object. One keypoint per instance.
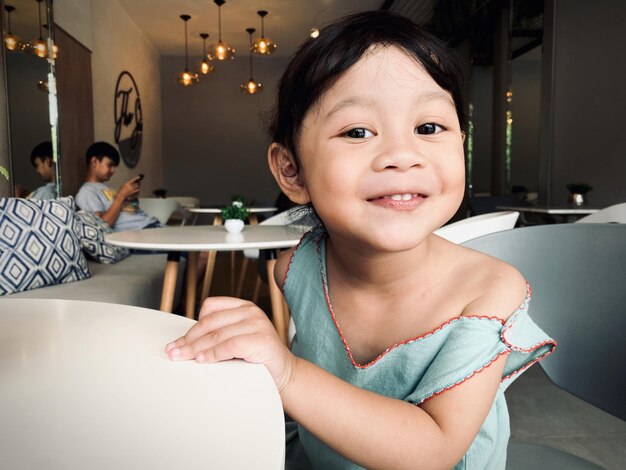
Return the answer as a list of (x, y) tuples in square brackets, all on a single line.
[(4, 172), (236, 210), (579, 188)]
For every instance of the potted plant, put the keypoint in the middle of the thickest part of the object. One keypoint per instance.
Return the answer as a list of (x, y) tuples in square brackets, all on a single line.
[(234, 215), (578, 192)]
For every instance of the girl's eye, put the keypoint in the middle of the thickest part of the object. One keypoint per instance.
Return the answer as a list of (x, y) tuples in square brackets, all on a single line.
[(429, 128), (358, 133)]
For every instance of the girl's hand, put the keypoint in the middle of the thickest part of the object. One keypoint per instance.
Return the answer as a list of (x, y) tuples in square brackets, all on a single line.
[(233, 328)]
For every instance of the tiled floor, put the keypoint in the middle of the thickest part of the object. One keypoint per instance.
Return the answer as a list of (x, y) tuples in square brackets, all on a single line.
[(540, 411), (543, 413)]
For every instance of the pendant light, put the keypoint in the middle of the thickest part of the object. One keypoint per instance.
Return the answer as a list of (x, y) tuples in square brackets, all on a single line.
[(40, 47), (251, 87), (263, 45), (11, 41), (205, 66), (220, 51), (187, 78)]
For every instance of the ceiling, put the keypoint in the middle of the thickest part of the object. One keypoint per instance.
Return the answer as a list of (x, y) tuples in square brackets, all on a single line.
[(287, 24)]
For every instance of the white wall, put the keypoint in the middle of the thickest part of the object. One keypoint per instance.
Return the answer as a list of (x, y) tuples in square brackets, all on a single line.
[(117, 44), (215, 140)]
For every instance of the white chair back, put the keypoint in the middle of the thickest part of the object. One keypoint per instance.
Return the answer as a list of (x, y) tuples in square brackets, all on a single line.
[(282, 218), (477, 226), (159, 208), (615, 214), (185, 201)]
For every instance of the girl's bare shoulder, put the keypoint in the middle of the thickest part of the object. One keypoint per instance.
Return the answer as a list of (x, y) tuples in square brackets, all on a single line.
[(495, 288)]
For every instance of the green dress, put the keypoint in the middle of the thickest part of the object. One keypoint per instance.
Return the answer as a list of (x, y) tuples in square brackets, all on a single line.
[(413, 370)]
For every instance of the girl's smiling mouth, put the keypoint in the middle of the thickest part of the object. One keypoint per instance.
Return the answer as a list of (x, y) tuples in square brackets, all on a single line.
[(399, 201)]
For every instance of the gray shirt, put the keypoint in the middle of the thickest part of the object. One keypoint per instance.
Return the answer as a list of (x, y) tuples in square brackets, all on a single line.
[(98, 197), (47, 191)]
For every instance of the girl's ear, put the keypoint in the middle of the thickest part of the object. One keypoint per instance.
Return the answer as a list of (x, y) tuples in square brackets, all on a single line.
[(287, 174)]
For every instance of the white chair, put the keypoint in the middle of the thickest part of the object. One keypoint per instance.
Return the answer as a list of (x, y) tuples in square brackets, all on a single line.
[(159, 208), (477, 226), (185, 203), (615, 214)]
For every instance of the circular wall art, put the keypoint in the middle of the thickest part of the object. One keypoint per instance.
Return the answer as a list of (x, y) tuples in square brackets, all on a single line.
[(128, 119)]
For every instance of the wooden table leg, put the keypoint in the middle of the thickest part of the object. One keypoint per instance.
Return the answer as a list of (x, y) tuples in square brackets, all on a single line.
[(192, 279), (276, 298), (169, 281), (208, 275), (253, 219), (210, 265), (232, 273)]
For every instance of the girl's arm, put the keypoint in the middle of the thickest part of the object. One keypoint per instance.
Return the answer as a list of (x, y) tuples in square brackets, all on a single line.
[(370, 429), (380, 432)]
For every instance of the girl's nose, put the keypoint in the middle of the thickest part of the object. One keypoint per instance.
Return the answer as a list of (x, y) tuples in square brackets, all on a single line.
[(399, 153)]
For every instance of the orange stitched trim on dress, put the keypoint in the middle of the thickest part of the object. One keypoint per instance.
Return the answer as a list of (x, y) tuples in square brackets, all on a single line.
[(386, 351)]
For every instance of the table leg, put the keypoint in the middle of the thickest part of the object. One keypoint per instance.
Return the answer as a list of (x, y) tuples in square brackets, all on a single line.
[(276, 298), (169, 281), (210, 266), (208, 275), (242, 275), (253, 219), (232, 273), (192, 279)]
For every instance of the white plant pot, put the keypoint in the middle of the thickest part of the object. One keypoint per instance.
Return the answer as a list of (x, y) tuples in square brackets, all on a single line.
[(233, 225)]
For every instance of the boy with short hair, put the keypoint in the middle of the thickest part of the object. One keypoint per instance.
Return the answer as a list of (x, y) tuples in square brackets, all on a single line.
[(119, 209), (41, 158)]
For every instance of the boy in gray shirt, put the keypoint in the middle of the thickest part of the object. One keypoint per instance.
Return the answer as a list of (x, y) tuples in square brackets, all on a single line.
[(120, 208), (41, 158)]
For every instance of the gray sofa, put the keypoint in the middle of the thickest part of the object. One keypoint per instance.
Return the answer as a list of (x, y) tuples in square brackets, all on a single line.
[(136, 280)]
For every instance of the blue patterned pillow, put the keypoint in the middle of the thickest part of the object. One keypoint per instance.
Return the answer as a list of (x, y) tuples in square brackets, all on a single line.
[(91, 232), (38, 244)]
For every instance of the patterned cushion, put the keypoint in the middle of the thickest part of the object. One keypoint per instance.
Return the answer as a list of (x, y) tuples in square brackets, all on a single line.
[(38, 244), (92, 230)]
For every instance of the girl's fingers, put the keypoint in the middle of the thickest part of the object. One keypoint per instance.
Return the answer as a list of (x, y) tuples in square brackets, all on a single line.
[(215, 304), (212, 339), (233, 347), (220, 318)]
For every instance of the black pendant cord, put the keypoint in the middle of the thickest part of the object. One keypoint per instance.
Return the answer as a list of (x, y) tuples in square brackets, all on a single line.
[(9, 10), (186, 52), (39, 11), (219, 22)]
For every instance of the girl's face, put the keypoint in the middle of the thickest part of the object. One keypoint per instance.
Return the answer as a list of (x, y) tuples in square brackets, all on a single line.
[(381, 154)]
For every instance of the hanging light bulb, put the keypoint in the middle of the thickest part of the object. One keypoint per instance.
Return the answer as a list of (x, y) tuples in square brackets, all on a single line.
[(40, 47), (11, 41), (205, 66), (187, 78), (220, 51), (263, 45), (251, 87)]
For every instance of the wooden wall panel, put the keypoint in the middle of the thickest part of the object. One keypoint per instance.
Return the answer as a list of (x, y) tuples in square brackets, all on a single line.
[(75, 102)]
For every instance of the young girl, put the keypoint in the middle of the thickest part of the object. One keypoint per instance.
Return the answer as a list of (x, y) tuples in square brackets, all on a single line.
[(405, 342)]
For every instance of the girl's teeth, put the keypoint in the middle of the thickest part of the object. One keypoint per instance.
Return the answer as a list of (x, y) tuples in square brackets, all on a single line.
[(402, 197)]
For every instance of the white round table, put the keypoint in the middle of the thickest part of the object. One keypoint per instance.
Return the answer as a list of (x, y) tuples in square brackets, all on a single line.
[(192, 239), (88, 385)]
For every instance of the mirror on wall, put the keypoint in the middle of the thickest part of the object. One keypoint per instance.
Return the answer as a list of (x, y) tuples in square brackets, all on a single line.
[(30, 77)]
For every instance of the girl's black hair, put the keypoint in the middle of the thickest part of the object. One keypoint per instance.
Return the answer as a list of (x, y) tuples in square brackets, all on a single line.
[(321, 61)]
